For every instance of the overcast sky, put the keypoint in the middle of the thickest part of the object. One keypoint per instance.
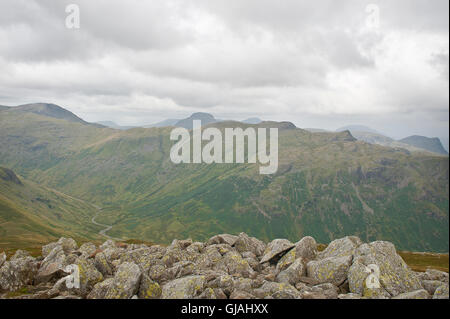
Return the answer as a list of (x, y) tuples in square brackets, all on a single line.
[(322, 63)]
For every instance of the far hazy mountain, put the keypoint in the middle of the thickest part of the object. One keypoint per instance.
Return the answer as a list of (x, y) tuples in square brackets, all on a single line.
[(206, 118), (4, 107), (168, 122), (431, 144), (357, 128), (412, 143), (316, 130), (252, 120), (111, 124)]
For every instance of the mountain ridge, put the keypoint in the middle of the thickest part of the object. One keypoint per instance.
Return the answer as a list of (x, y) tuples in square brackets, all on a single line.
[(323, 184)]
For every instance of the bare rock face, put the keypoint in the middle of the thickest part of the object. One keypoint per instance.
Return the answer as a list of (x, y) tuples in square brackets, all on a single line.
[(224, 267)]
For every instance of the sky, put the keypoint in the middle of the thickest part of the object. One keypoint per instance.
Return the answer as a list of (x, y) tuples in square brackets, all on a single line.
[(319, 64)]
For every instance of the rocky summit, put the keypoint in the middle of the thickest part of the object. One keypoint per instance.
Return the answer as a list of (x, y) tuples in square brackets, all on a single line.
[(224, 267)]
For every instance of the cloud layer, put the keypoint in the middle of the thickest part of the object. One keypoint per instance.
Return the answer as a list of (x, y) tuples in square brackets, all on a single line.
[(316, 63)]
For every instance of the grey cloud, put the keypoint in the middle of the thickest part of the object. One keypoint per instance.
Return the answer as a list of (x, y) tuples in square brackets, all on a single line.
[(276, 58)]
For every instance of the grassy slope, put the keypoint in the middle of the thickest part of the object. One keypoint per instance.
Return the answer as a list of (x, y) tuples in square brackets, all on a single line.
[(327, 186), (31, 215)]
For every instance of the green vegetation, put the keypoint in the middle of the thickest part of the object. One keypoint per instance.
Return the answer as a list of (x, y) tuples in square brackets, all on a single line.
[(423, 261), (328, 186), (30, 215)]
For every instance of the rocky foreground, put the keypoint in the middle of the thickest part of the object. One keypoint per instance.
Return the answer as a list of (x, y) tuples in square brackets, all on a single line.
[(225, 267)]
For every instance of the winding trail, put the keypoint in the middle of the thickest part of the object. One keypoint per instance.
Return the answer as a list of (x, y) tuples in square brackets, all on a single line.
[(107, 227), (99, 209)]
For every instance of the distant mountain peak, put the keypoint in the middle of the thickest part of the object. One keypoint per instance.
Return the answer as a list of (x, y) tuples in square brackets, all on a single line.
[(252, 120), (432, 144), (50, 110), (357, 128), (187, 123)]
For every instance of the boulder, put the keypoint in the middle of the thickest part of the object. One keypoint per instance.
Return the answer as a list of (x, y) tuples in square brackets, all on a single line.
[(349, 296), (16, 274), (293, 273), (431, 285), (53, 265), (286, 260), (277, 290), (332, 269), (89, 275), (433, 274), (441, 292), (99, 291), (418, 294), (275, 249), (245, 243), (68, 244), (223, 239), (102, 265), (306, 248), (341, 247), (20, 254), (394, 275), (149, 289), (108, 244), (234, 264), (126, 282), (184, 288), (2, 258), (87, 249)]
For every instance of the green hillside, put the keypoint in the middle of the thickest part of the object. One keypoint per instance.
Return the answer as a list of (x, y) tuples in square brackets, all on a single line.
[(328, 185), (32, 215)]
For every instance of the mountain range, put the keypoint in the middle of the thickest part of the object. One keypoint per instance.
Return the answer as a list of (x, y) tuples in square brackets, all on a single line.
[(328, 185), (413, 143)]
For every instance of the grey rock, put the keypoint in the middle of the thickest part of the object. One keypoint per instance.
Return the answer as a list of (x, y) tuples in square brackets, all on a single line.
[(441, 292), (394, 275), (431, 285), (2, 258), (293, 273), (87, 249), (102, 265), (16, 274), (341, 247), (126, 282), (149, 289), (223, 239), (275, 249), (245, 243), (332, 269), (306, 248), (184, 288), (418, 294)]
